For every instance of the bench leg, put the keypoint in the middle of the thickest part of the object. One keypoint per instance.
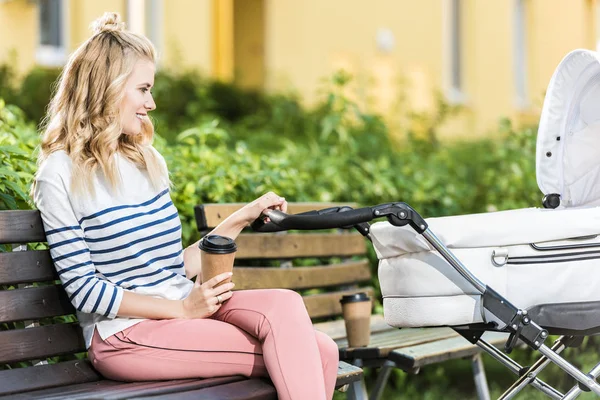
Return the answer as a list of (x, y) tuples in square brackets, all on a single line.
[(357, 389), (382, 378), (483, 392)]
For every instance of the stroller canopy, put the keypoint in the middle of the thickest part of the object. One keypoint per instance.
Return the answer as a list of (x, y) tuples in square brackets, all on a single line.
[(568, 142)]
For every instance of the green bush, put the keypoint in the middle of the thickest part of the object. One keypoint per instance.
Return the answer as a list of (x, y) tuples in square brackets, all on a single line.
[(180, 100), (18, 140), (32, 93), (8, 90), (35, 91)]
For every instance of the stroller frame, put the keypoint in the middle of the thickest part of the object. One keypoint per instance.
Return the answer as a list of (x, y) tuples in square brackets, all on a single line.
[(499, 313)]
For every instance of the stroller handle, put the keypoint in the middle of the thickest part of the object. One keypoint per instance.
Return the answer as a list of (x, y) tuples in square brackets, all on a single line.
[(335, 217), (399, 214)]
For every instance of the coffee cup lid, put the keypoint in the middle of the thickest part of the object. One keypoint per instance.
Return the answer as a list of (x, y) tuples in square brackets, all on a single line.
[(216, 244), (362, 296)]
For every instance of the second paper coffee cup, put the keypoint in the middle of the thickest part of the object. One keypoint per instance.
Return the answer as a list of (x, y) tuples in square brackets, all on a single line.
[(357, 317), (217, 255)]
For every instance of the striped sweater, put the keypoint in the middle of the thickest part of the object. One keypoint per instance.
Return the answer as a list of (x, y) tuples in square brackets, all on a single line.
[(102, 246)]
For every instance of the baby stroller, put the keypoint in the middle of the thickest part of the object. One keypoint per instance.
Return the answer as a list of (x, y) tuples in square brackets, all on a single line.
[(531, 272)]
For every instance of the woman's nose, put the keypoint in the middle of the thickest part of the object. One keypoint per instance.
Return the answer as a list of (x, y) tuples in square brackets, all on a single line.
[(150, 104)]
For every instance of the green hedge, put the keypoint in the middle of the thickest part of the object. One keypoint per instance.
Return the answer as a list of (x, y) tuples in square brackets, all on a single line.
[(18, 140)]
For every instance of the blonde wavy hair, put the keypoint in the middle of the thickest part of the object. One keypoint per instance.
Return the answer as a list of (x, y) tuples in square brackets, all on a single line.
[(83, 117)]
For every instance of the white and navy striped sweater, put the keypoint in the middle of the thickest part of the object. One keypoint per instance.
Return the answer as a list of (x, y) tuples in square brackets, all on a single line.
[(101, 246)]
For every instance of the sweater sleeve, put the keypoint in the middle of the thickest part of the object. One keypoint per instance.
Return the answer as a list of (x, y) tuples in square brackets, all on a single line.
[(88, 292)]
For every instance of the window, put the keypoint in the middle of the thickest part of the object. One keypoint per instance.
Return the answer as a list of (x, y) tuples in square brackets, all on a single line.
[(456, 46), (520, 54), (52, 49), (153, 22), (453, 48), (135, 12)]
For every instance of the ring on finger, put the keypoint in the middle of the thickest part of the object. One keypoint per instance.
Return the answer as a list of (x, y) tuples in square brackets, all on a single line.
[(219, 299)]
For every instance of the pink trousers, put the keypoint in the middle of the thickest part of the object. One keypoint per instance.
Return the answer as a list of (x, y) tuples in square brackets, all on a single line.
[(256, 333)]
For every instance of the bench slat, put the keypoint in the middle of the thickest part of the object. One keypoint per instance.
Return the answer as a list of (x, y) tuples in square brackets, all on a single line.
[(40, 342), (251, 389), (328, 304), (441, 350), (47, 376), (386, 341), (22, 226), (108, 389), (301, 277), (26, 267), (73, 373), (259, 389), (337, 329), (210, 215), (412, 343), (34, 303), (294, 245), (347, 373)]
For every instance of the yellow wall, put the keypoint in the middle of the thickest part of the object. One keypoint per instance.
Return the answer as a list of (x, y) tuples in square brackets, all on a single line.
[(307, 40), (187, 29), (83, 12), (19, 27), (18, 33), (556, 27), (188, 34), (248, 41), (223, 40), (488, 66), (553, 28), (291, 44)]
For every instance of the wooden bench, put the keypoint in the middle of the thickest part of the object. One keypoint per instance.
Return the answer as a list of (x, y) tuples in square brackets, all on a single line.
[(265, 260), (37, 325)]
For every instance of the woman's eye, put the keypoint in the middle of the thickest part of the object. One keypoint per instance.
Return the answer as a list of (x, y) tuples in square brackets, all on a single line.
[(144, 90)]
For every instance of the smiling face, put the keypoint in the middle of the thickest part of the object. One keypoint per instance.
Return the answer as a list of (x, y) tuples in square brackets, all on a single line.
[(138, 100)]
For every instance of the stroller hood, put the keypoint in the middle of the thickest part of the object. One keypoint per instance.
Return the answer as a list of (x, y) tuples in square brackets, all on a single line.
[(568, 141)]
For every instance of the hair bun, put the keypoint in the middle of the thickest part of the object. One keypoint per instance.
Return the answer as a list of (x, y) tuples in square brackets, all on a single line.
[(110, 21)]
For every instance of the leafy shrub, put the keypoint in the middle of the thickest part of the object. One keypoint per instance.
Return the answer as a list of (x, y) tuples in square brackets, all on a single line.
[(35, 92), (8, 90), (18, 140), (180, 99), (233, 103)]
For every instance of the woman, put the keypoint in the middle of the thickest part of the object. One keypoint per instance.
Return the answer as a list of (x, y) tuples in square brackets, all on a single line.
[(115, 239)]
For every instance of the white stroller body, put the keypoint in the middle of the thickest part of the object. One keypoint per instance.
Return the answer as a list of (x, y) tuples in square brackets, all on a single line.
[(530, 272), (528, 256)]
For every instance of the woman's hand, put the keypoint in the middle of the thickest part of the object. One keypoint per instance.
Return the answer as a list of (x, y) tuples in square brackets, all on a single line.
[(236, 222), (253, 210), (205, 299)]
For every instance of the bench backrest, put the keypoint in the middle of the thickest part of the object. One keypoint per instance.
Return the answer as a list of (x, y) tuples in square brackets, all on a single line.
[(34, 313), (339, 257)]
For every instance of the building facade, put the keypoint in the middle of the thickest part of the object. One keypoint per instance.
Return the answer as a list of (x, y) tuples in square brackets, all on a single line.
[(493, 58)]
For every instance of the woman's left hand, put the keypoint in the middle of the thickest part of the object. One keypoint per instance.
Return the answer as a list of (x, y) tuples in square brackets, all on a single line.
[(253, 210)]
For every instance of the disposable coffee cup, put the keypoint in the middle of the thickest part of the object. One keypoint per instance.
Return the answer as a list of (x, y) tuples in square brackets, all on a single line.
[(217, 255), (356, 309)]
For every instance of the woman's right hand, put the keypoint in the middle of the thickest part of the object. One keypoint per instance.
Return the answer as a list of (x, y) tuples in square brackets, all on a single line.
[(202, 301), (253, 210)]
